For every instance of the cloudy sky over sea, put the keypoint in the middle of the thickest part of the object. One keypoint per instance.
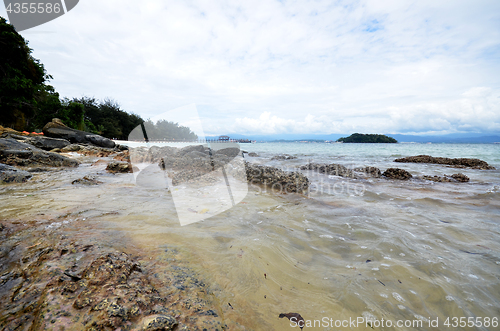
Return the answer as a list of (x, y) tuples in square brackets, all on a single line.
[(272, 67)]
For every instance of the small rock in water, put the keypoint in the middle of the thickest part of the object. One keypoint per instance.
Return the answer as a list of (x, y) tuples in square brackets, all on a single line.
[(86, 181), (282, 157), (117, 166), (294, 317), (158, 322), (396, 173)]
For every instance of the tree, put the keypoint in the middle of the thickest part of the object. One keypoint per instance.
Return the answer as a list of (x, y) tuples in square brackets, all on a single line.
[(107, 119), (22, 78)]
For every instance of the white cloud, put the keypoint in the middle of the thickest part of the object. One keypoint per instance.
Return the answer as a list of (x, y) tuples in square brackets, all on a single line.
[(277, 67)]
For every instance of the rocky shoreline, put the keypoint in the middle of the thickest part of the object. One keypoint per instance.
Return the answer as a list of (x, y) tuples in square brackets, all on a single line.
[(52, 281)]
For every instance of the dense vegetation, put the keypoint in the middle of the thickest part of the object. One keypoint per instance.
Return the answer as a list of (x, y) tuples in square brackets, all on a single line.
[(28, 102), (367, 138)]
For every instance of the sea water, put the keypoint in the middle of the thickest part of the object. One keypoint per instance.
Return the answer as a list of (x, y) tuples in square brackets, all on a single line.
[(357, 249)]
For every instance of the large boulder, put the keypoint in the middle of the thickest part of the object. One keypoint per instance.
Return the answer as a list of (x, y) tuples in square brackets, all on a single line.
[(14, 153), (9, 174), (42, 142), (56, 129)]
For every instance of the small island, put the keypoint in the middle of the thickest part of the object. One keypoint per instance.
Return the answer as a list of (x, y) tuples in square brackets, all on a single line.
[(367, 138)]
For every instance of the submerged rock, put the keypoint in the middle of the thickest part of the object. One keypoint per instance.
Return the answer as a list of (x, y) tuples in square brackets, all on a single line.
[(9, 174), (158, 323), (457, 163), (460, 177), (14, 153), (396, 173), (370, 171), (57, 129), (252, 154), (446, 178), (283, 157), (86, 181), (329, 169), (52, 282), (288, 182)]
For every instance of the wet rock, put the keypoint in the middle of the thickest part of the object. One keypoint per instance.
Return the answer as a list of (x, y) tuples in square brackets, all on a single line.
[(370, 171), (294, 317), (14, 153), (99, 289), (122, 148), (39, 169), (460, 177), (438, 179), (57, 129), (457, 163), (158, 322), (288, 182), (42, 142), (446, 178), (123, 156), (71, 148), (114, 309), (252, 154), (86, 181), (396, 173), (329, 169), (188, 149), (118, 166), (283, 157), (9, 174), (89, 150), (230, 152)]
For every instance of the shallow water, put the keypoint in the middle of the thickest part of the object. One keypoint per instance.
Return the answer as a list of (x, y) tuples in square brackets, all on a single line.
[(373, 248)]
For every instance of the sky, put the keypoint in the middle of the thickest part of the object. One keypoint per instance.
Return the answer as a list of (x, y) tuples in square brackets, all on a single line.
[(282, 67)]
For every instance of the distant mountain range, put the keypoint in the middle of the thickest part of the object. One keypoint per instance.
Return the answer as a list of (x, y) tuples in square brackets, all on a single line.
[(454, 138)]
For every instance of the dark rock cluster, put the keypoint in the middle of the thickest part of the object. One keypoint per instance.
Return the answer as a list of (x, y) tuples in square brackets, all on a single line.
[(57, 129), (457, 163), (16, 153), (329, 169), (453, 178), (369, 171), (288, 182), (396, 173)]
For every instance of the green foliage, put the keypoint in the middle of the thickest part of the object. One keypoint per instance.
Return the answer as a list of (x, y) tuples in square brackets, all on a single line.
[(107, 119), (21, 78), (367, 138)]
